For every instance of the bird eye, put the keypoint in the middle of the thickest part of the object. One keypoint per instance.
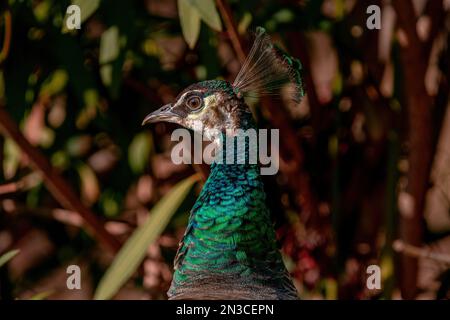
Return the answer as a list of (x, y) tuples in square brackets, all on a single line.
[(194, 102)]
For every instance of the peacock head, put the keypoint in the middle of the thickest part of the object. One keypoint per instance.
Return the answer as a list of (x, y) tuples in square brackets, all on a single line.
[(205, 107), (217, 106)]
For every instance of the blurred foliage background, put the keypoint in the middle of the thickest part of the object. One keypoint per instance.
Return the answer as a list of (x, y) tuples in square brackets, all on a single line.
[(364, 158)]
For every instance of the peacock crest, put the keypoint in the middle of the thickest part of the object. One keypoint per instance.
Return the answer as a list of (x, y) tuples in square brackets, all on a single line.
[(267, 69)]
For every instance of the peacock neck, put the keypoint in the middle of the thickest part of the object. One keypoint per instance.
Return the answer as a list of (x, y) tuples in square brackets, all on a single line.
[(229, 186), (234, 184), (230, 243)]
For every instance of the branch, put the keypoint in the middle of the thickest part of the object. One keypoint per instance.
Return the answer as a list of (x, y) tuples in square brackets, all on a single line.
[(227, 17), (25, 183), (420, 125), (418, 252), (58, 187), (408, 21)]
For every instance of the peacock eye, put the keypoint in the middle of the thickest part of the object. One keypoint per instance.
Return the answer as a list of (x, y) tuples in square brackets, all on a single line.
[(194, 102)]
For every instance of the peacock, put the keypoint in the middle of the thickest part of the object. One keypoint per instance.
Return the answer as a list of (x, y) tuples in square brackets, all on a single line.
[(229, 248)]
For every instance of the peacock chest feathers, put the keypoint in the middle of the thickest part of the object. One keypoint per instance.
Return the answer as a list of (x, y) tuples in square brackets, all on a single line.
[(229, 249)]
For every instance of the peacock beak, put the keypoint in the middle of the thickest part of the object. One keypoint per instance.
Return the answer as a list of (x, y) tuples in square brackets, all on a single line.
[(162, 114)]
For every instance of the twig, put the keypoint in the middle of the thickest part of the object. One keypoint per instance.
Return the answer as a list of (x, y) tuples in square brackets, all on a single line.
[(25, 183), (227, 17), (418, 252), (55, 183)]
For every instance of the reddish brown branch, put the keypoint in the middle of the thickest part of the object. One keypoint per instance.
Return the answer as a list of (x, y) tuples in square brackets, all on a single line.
[(55, 183), (407, 21), (227, 17), (418, 106)]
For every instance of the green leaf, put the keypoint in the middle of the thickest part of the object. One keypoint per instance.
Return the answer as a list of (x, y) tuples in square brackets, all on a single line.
[(11, 158), (208, 13), (47, 137), (139, 152), (54, 83), (133, 251), (106, 72), (87, 8), (42, 10), (79, 145), (110, 203), (337, 84), (8, 256), (90, 97), (109, 51), (284, 16), (245, 23), (91, 100), (190, 22), (90, 188), (60, 160), (42, 295), (330, 289), (109, 45)]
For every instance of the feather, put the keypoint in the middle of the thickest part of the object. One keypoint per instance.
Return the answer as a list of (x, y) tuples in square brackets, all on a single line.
[(267, 69)]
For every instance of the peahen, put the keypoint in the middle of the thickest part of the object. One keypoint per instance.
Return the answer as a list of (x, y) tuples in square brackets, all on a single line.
[(229, 248)]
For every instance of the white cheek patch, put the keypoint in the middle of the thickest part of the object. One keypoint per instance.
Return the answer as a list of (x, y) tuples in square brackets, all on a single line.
[(196, 115), (210, 100)]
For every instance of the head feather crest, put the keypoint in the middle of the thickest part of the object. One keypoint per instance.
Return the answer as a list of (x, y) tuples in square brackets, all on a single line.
[(267, 69)]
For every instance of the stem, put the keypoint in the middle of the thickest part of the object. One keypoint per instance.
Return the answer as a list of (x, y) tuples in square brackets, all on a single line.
[(418, 103), (227, 17)]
